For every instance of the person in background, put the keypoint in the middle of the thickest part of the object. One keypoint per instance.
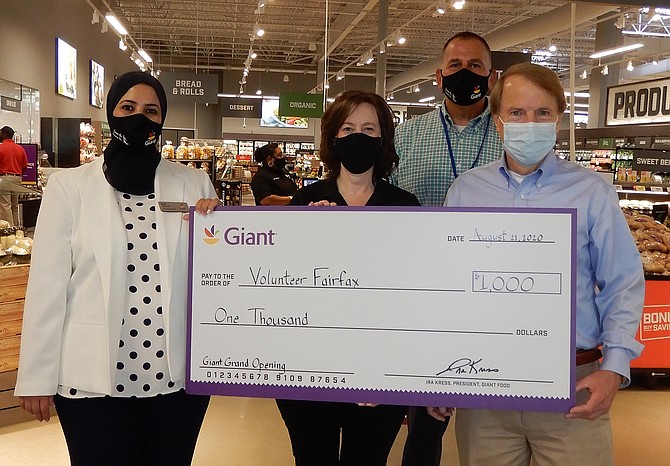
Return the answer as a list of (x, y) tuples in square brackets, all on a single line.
[(271, 184), (104, 326), (434, 149), (527, 104), (13, 162), (357, 150)]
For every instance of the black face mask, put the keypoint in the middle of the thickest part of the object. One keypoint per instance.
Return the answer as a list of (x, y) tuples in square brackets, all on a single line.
[(280, 164), (358, 152), (137, 132), (465, 87), (131, 157)]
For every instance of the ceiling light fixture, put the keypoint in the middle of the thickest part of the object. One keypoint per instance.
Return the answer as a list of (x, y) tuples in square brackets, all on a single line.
[(339, 76), (441, 8), (630, 66), (116, 24), (458, 5), (605, 71), (285, 78), (577, 94), (104, 28), (584, 75), (614, 51), (258, 30), (552, 48), (145, 55), (259, 92), (427, 99), (401, 39), (326, 85), (96, 17), (382, 48), (629, 32), (122, 45), (417, 88)]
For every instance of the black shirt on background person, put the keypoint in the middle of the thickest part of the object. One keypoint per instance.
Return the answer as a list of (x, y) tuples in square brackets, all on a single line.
[(271, 184), (385, 194)]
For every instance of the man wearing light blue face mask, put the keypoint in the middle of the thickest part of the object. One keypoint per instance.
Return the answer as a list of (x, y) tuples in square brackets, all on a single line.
[(527, 104)]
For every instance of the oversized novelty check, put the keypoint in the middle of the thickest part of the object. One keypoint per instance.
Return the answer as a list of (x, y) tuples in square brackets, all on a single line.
[(414, 306)]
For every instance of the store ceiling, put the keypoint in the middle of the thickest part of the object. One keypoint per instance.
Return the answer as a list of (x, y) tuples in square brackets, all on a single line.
[(217, 34)]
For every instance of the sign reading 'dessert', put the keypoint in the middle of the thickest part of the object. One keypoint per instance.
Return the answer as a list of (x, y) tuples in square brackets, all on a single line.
[(426, 307), (300, 105), (241, 108), (639, 103), (190, 87)]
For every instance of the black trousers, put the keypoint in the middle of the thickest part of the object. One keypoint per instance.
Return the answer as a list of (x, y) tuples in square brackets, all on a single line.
[(315, 427), (107, 431), (423, 446)]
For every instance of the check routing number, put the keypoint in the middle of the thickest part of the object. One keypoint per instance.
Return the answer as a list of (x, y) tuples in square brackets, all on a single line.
[(409, 306)]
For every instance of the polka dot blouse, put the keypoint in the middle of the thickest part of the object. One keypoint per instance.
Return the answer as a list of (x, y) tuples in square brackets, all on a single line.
[(141, 368)]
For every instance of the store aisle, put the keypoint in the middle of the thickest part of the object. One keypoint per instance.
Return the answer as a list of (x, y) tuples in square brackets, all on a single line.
[(250, 432)]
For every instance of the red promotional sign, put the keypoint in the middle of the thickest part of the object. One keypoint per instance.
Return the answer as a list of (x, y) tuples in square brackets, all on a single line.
[(654, 331)]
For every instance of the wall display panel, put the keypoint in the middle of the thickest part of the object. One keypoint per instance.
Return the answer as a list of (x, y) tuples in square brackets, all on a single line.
[(66, 69), (97, 84), (270, 117)]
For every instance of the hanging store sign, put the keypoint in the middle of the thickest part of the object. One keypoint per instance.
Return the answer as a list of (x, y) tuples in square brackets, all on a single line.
[(644, 143), (241, 108), (300, 105), (639, 103), (11, 105), (190, 87), (653, 161)]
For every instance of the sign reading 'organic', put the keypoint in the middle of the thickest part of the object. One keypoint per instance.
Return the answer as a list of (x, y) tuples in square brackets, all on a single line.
[(300, 105)]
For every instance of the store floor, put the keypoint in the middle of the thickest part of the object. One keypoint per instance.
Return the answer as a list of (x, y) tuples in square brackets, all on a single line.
[(250, 432)]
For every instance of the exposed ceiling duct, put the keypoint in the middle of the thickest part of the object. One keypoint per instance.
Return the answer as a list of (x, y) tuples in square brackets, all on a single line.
[(543, 25)]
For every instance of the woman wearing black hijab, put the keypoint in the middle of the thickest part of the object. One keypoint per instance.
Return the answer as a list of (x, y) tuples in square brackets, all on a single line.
[(104, 324)]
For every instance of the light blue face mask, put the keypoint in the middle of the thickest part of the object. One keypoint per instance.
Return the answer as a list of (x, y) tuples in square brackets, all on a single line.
[(529, 143)]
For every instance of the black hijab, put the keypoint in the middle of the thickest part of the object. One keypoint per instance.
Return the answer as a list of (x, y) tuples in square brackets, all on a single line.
[(131, 167)]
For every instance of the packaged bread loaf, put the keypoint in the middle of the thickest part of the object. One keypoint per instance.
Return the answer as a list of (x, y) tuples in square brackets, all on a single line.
[(653, 242)]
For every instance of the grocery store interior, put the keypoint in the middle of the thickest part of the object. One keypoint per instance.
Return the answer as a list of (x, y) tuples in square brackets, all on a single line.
[(246, 57)]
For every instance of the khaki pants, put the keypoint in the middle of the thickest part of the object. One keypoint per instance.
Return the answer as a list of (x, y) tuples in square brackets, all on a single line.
[(9, 204), (516, 438)]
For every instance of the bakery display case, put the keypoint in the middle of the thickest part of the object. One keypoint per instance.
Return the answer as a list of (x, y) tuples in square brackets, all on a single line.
[(201, 154), (652, 238)]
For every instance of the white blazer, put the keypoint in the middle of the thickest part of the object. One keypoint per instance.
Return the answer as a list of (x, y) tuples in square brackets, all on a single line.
[(76, 288)]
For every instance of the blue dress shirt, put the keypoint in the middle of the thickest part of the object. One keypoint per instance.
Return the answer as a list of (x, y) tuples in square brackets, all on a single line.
[(610, 280)]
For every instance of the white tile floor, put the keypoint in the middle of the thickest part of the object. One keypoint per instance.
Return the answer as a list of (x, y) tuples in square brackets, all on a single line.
[(250, 432)]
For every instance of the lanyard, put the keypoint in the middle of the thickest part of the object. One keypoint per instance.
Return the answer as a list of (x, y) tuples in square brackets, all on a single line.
[(451, 153)]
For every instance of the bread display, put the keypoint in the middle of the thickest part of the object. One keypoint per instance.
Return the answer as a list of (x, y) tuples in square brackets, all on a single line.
[(168, 150), (652, 240)]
